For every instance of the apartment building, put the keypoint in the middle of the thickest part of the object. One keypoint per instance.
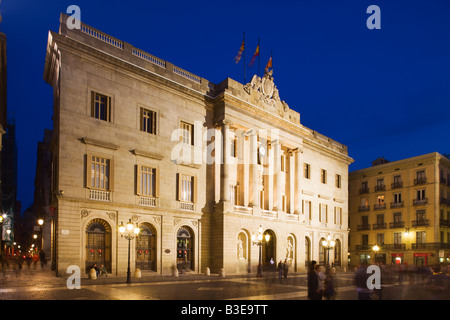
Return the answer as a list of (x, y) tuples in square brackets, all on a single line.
[(401, 208)]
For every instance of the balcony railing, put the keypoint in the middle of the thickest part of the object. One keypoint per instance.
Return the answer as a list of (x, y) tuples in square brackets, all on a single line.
[(394, 246), (445, 201), (420, 202), (186, 206), (147, 201), (444, 223), (379, 206), (420, 181), (380, 187), (364, 190), (396, 224), (364, 208), (362, 227), (100, 195), (398, 184), (431, 245), (397, 204), (378, 226), (443, 180), (364, 247), (419, 223)]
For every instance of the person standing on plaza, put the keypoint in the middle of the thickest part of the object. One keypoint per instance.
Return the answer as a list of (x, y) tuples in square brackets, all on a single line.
[(436, 284), (280, 269), (285, 268), (313, 282), (329, 291), (361, 276)]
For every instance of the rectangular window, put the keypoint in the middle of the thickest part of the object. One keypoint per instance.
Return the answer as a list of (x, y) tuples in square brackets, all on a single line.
[(337, 215), (397, 198), (148, 121), (100, 106), (147, 179), (100, 173), (421, 237), (187, 135), (233, 148), (338, 181), (186, 188), (380, 238), (323, 213), (307, 171), (420, 194), (397, 238), (307, 209), (397, 218), (323, 176), (234, 194)]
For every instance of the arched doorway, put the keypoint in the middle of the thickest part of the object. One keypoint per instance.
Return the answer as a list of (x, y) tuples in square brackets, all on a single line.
[(185, 249), (337, 253), (268, 249), (322, 253), (146, 248), (307, 252), (98, 244)]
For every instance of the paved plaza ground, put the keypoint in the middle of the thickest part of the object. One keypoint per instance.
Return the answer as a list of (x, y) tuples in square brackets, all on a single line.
[(42, 284)]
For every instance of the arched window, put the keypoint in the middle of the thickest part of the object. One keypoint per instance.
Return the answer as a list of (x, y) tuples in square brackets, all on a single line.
[(98, 244)]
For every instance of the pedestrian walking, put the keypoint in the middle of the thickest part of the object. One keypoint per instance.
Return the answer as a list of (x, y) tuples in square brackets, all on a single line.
[(320, 280), (313, 282), (280, 269), (42, 258), (361, 276), (436, 284), (35, 260), (329, 292), (285, 269)]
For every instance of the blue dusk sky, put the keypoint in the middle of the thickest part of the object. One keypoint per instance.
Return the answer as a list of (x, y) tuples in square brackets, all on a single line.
[(382, 92)]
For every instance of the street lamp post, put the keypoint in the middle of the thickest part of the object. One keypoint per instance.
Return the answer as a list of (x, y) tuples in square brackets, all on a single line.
[(375, 248), (129, 232), (258, 241), (328, 245)]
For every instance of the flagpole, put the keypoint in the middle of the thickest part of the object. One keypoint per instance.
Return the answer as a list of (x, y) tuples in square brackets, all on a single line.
[(244, 58), (259, 57)]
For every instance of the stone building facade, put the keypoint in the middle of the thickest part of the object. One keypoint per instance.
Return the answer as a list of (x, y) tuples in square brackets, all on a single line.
[(198, 166), (402, 207)]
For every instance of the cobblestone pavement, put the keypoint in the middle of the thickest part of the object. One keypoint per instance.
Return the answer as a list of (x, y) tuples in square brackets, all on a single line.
[(42, 284)]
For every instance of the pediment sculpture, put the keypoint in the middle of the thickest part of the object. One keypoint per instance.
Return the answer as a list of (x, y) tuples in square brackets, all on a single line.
[(266, 91)]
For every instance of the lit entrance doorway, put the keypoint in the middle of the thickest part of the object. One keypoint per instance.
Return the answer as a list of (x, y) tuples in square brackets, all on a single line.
[(269, 250), (185, 256), (146, 248), (98, 244)]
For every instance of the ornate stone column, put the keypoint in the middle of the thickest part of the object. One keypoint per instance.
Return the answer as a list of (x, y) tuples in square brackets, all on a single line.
[(253, 196), (277, 202)]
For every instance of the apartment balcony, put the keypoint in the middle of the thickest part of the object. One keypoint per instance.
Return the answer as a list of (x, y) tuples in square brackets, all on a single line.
[(378, 226), (394, 246), (444, 223), (421, 223), (397, 204), (364, 208), (380, 187), (420, 202), (431, 245), (364, 190), (396, 185), (443, 181), (444, 201), (380, 206), (362, 227), (363, 247), (420, 181), (396, 224)]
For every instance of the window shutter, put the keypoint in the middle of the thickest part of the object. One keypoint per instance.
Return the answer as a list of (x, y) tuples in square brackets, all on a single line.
[(194, 186), (88, 170), (178, 187), (138, 179), (157, 183), (111, 174)]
